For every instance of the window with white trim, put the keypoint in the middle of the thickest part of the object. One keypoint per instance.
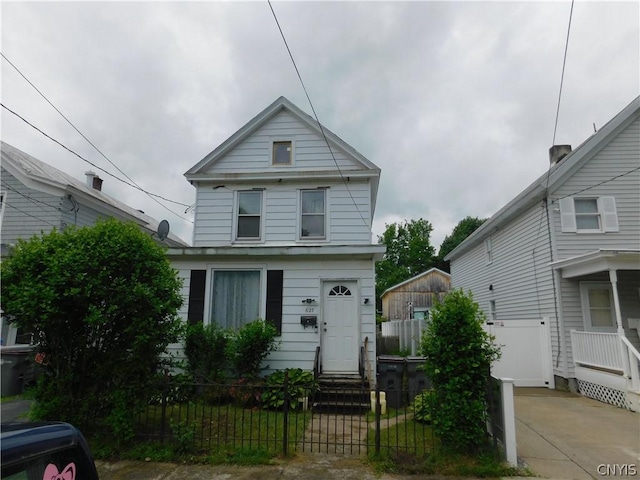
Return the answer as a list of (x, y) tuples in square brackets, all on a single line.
[(313, 213), (597, 306), (588, 214), (235, 297), (249, 215), (488, 251), (282, 153)]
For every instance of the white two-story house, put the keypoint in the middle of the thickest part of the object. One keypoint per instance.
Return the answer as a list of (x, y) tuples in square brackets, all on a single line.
[(282, 232), (557, 269)]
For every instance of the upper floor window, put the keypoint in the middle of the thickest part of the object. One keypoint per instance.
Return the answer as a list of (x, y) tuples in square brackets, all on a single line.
[(588, 214), (249, 215), (282, 153), (597, 306), (488, 252), (313, 213)]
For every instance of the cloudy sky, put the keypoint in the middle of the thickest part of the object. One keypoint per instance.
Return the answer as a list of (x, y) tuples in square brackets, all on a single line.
[(454, 101)]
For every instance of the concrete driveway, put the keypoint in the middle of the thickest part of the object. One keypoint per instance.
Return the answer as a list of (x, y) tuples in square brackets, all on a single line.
[(567, 436)]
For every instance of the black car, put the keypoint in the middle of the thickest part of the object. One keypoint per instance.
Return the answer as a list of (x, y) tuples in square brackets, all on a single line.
[(39, 451)]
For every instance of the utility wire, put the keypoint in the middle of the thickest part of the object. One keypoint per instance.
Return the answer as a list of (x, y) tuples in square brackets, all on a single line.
[(96, 166), (35, 201), (135, 185), (598, 184), (316, 116), (29, 215), (564, 62)]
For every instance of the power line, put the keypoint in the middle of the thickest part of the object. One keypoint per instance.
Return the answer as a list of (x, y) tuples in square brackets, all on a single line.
[(564, 62), (32, 216), (35, 201), (598, 184), (316, 116), (91, 143), (96, 166)]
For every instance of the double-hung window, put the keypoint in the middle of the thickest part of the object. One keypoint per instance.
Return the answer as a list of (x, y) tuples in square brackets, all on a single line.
[(313, 213), (588, 214), (249, 216), (597, 306), (235, 297)]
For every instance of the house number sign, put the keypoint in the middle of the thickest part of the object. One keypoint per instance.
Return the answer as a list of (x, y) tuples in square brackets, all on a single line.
[(310, 309)]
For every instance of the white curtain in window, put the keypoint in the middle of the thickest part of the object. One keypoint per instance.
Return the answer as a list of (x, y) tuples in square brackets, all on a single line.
[(236, 298)]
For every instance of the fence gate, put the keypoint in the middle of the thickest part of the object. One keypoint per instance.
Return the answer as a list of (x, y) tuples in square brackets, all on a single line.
[(526, 352)]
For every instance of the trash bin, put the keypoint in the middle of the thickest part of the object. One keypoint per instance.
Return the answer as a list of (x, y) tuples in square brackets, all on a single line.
[(390, 376), (14, 364), (417, 378)]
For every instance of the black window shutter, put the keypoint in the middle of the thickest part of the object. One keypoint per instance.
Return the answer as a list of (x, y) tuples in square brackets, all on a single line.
[(196, 296), (274, 298)]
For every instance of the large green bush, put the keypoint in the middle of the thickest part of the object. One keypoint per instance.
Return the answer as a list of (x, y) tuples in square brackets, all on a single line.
[(249, 346), (205, 347), (458, 355), (102, 304)]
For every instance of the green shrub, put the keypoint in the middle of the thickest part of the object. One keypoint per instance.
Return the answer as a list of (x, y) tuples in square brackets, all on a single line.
[(458, 355), (249, 346), (299, 382), (101, 303), (205, 347), (421, 406)]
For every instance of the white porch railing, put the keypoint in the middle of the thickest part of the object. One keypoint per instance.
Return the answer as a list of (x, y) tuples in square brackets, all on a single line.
[(609, 362), (595, 349), (409, 332)]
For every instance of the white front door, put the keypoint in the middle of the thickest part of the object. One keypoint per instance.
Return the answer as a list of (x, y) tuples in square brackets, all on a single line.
[(340, 332)]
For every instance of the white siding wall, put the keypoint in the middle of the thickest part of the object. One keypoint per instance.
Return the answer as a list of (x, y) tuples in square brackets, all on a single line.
[(347, 224), (618, 158), (27, 212), (302, 279), (310, 149), (519, 273)]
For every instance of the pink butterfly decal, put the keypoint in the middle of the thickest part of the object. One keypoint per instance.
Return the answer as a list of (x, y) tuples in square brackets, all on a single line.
[(51, 472)]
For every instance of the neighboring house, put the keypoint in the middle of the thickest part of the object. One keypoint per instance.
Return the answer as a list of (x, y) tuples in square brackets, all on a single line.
[(282, 232), (415, 297), (557, 270), (36, 198)]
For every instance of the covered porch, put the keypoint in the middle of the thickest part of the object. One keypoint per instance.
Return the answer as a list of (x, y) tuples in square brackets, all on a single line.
[(604, 350)]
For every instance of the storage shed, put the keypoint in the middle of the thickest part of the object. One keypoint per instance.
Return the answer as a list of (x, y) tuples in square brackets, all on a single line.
[(415, 297)]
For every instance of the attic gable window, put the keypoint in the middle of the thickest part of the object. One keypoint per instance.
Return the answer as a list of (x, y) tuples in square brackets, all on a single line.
[(588, 214), (249, 215), (282, 153)]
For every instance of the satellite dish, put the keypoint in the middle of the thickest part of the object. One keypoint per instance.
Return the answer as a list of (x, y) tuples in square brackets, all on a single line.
[(163, 230)]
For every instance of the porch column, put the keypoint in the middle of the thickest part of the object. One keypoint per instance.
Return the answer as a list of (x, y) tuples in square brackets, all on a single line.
[(613, 277)]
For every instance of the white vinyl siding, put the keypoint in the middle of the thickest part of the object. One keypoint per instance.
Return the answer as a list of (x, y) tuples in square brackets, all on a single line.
[(27, 212), (310, 151), (346, 223), (617, 162), (302, 279), (520, 273)]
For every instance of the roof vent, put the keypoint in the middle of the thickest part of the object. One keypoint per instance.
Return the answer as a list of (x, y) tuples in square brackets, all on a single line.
[(558, 152), (93, 181)]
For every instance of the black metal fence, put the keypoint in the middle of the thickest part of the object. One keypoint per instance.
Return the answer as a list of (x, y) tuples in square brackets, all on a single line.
[(281, 420)]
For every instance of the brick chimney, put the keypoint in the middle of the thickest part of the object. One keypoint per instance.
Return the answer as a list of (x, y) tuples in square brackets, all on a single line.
[(93, 180), (558, 152)]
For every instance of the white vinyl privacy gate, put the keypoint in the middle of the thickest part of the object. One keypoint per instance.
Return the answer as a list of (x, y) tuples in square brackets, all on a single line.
[(526, 352)]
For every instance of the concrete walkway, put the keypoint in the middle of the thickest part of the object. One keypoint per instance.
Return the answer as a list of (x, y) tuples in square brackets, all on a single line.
[(566, 436)]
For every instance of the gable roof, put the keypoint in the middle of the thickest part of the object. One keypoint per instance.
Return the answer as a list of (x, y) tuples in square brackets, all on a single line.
[(369, 169), (412, 279), (550, 181), (38, 175)]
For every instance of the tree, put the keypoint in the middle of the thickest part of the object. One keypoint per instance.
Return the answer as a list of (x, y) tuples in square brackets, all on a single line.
[(458, 356), (409, 253), (102, 304), (461, 231)]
